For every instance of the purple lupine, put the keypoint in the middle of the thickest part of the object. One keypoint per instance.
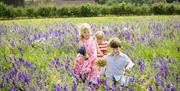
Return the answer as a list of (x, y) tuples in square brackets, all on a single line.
[(26, 64), (33, 88), (132, 42), (127, 35), (38, 81), (169, 59), (132, 79), (74, 87), (12, 44), (65, 87), (173, 89), (20, 75), (98, 81), (50, 67), (7, 80), (17, 63), (58, 87), (83, 88), (140, 82), (0, 40), (105, 85), (150, 87), (163, 70), (140, 63), (21, 59), (130, 88), (14, 82), (143, 38), (27, 78), (159, 81), (21, 51), (113, 87), (92, 88)]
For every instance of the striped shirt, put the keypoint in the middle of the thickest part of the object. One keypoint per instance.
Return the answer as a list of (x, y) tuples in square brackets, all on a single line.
[(103, 49)]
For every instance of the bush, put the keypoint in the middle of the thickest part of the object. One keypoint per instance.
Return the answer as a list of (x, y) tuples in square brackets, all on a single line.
[(64, 11), (31, 12), (88, 10), (3, 9), (20, 12), (46, 11)]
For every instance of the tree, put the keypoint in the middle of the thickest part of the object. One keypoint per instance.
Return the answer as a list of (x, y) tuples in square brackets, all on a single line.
[(14, 2), (170, 1)]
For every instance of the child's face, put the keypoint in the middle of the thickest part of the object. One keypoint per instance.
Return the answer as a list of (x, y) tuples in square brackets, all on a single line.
[(86, 34), (99, 41), (116, 51)]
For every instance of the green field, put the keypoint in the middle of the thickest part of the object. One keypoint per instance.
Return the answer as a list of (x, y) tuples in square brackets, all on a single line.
[(39, 53)]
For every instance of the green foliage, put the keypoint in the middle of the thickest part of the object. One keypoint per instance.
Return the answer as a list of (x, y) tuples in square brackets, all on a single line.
[(88, 10), (46, 11)]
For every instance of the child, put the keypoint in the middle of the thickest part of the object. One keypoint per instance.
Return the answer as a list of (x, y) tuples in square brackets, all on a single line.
[(117, 62), (87, 67), (101, 43), (82, 55)]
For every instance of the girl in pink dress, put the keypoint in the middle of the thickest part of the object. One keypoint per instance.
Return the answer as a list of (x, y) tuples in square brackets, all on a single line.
[(87, 67)]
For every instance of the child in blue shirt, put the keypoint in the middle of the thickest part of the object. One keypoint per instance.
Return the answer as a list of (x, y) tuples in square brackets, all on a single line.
[(117, 63)]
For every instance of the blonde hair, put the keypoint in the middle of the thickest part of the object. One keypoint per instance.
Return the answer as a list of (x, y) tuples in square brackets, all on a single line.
[(99, 35), (84, 27)]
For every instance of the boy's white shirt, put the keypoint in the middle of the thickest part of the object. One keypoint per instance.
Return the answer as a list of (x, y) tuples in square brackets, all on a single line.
[(130, 65)]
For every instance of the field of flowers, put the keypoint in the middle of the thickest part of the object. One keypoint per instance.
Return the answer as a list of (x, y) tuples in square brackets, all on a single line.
[(38, 54)]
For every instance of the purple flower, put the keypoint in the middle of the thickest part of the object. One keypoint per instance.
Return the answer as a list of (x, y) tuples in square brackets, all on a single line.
[(7, 79), (65, 87), (27, 79), (50, 67), (163, 70), (26, 64), (142, 66), (159, 81), (33, 88), (21, 51), (14, 82), (98, 82), (132, 42), (150, 87), (130, 88), (173, 89), (127, 35), (141, 82), (142, 38), (21, 59), (38, 81), (92, 88), (169, 59), (113, 87), (132, 79), (74, 86), (57, 87)]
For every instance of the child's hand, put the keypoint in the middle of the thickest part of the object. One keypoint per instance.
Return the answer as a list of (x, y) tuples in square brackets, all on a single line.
[(100, 53)]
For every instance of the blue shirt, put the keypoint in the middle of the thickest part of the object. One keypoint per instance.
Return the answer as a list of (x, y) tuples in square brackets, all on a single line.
[(117, 64)]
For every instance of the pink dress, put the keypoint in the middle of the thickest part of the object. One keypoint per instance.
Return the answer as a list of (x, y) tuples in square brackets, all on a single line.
[(88, 66)]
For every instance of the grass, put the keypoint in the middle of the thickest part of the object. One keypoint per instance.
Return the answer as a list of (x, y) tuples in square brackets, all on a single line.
[(43, 53)]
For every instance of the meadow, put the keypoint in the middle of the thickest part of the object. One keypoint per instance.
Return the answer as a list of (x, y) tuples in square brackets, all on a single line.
[(38, 54)]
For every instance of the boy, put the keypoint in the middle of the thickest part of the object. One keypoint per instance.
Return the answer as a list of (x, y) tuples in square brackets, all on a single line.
[(117, 62)]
